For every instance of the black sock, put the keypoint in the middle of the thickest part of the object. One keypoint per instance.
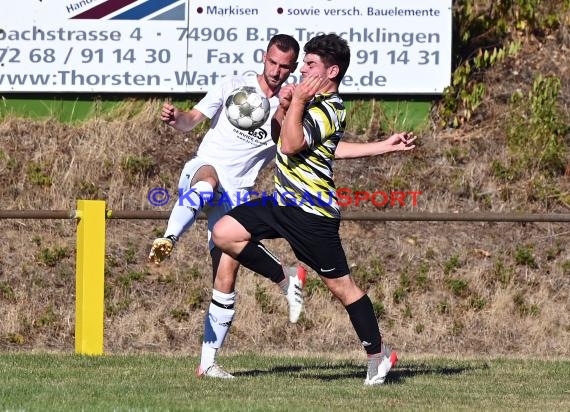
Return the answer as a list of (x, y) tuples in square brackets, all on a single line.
[(364, 321), (255, 257), (216, 254)]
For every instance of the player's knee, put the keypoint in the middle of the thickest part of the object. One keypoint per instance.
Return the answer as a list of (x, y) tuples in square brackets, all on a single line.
[(230, 236), (220, 233), (344, 288), (218, 236), (206, 173)]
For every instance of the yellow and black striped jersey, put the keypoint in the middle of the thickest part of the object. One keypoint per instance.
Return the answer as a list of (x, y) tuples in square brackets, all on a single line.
[(305, 179)]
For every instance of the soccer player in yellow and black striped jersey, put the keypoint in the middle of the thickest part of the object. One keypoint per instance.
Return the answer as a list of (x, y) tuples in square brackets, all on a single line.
[(309, 124), (306, 178)]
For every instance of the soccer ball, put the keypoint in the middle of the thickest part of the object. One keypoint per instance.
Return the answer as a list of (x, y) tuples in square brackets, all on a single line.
[(246, 109)]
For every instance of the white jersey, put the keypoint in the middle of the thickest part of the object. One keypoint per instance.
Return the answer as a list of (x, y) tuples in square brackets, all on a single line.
[(237, 155)]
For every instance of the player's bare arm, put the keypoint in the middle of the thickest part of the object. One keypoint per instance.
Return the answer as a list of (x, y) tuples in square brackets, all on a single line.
[(395, 143), (180, 120), (292, 138)]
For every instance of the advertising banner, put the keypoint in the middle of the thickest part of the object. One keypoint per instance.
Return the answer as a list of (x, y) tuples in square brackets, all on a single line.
[(181, 46)]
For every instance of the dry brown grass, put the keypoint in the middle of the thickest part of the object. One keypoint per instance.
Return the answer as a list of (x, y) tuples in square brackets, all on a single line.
[(445, 287)]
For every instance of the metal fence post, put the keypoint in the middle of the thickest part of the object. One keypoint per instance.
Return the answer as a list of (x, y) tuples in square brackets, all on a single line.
[(89, 277)]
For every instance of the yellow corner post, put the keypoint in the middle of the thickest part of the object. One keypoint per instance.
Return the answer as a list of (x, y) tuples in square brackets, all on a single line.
[(89, 277)]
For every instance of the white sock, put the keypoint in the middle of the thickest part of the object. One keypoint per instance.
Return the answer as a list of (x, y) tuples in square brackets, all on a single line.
[(216, 326), (185, 211)]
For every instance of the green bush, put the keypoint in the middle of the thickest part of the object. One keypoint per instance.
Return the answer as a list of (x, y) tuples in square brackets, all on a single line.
[(485, 33), (536, 130)]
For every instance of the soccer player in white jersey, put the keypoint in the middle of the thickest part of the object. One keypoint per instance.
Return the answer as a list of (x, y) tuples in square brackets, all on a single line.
[(310, 123), (226, 166)]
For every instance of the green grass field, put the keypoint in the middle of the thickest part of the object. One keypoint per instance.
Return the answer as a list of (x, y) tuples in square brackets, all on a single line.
[(42, 382)]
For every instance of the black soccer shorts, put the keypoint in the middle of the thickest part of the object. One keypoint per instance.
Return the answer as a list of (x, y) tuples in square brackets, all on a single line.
[(314, 239)]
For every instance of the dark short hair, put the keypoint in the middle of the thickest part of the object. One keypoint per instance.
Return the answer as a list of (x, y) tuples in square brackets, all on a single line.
[(285, 43), (333, 50)]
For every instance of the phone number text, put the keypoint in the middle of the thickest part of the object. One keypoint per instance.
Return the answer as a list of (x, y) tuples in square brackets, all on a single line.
[(74, 55), (83, 55)]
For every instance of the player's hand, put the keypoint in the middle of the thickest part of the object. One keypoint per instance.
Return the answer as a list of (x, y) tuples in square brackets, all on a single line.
[(309, 87), (402, 141), (169, 114), (285, 96)]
